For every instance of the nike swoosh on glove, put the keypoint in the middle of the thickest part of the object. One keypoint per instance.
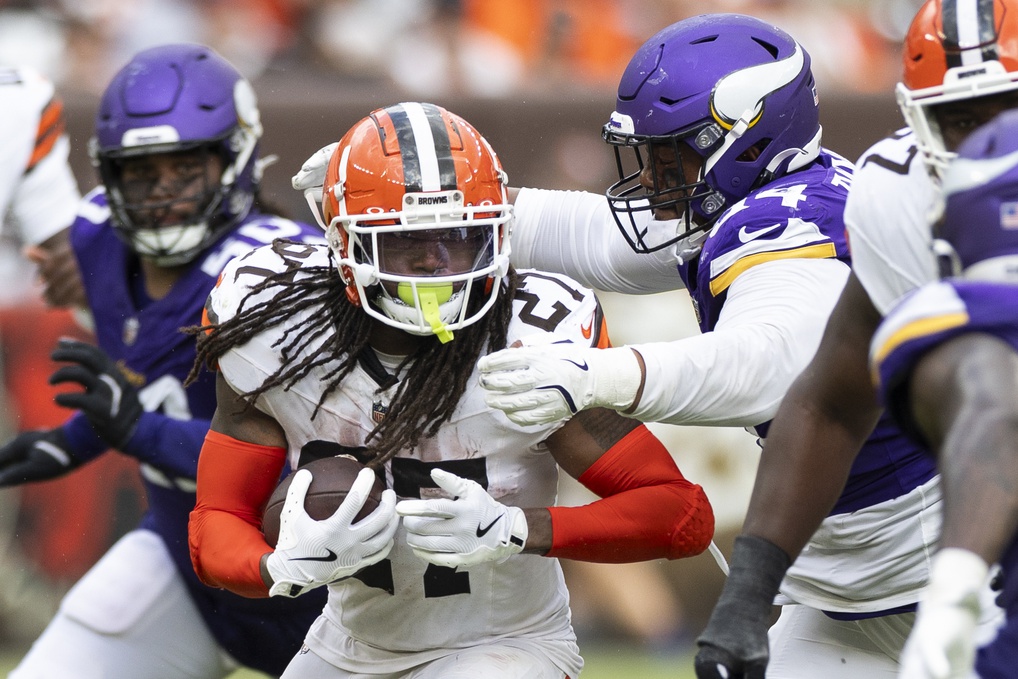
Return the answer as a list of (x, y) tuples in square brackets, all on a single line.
[(109, 401), (35, 456), (313, 553), (544, 384), (942, 642), (469, 529)]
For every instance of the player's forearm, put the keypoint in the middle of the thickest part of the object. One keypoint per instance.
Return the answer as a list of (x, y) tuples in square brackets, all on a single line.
[(647, 510), (805, 463), (971, 420), (574, 233), (170, 445), (235, 479), (738, 374)]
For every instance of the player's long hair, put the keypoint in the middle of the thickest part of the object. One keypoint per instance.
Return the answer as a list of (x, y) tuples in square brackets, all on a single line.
[(436, 374)]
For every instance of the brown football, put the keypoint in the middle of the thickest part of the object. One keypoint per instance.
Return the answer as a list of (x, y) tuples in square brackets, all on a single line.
[(331, 479)]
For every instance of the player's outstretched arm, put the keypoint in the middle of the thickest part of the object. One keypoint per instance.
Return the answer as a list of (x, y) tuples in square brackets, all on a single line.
[(647, 511), (813, 440), (964, 401)]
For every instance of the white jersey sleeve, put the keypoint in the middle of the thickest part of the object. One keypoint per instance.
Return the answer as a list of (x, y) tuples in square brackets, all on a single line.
[(887, 218), (737, 374), (38, 193), (574, 233)]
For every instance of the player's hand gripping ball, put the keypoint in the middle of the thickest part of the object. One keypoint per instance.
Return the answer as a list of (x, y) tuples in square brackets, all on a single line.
[(332, 478)]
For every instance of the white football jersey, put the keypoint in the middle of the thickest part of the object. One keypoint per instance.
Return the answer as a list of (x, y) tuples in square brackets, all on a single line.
[(403, 611), (38, 192), (887, 217)]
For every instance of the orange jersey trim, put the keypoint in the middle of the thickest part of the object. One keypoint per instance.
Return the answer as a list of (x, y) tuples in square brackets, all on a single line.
[(235, 480), (51, 126), (648, 509)]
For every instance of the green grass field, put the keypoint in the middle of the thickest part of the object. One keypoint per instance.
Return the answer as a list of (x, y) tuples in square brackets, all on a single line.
[(603, 663)]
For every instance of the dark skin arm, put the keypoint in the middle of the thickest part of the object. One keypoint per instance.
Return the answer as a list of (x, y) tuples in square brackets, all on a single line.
[(822, 423), (577, 445), (58, 270), (251, 425), (964, 398)]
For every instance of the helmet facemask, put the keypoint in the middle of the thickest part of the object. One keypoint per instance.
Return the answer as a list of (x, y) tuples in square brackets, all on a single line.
[(956, 52), (676, 188), (167, 220), (435, 232)]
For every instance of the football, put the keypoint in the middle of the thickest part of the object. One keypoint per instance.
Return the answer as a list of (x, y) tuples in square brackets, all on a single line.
[(331, 479)]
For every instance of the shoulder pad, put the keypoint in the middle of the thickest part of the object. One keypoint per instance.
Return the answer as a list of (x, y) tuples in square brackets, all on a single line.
[(556, 304), (928, 311), (243, 273)]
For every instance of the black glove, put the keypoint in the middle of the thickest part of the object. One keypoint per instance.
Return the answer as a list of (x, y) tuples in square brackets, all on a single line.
[(35, 456), (734, 644), (109, 401)]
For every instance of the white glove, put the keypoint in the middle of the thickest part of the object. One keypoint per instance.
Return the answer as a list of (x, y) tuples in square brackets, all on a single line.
[(542, 384), (942, 642), (312, 172), (313, 553), (469, 529)]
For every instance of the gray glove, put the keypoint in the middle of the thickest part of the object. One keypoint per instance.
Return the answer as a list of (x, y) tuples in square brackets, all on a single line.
[(734, 644)]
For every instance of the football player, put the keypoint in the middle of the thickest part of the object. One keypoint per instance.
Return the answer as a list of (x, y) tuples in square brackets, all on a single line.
[(960, 70), (38, 191), (732, 195), (368, 347), (947, 361), (176, 143)]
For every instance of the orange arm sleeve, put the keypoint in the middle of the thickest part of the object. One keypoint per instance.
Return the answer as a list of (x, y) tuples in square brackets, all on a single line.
[(648, 509), (235, 480)]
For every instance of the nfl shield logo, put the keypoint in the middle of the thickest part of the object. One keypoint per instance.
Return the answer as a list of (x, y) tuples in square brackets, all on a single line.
[(130, 333), (378, 411)]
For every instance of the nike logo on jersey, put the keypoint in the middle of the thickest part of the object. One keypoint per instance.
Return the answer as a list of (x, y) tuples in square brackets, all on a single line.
[(585, 330), (481, 532), (331, 556), (746, 236), (582, 365)]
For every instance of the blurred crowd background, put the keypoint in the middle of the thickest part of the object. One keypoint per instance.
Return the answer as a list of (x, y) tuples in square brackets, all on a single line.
[(483, 48), (537, 77)]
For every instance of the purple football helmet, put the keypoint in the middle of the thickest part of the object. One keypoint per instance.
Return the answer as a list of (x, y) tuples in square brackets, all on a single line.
[(979, 227), (175, 99), (738, 92)]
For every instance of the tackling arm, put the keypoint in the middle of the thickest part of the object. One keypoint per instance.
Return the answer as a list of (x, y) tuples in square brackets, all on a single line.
[(574, 233), (820, 426), (822, 423), (238, 469), (964, 399), (648, 509)]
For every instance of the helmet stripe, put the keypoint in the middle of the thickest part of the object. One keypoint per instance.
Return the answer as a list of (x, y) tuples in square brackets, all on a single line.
[(442, 147), (424, 147), (968, 24)]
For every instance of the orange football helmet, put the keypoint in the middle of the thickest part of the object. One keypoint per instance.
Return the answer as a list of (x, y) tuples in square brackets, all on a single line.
[(955, 50), (416, 213)]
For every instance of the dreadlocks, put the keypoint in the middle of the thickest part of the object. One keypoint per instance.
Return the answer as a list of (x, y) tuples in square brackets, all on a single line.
[(437, 373)]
